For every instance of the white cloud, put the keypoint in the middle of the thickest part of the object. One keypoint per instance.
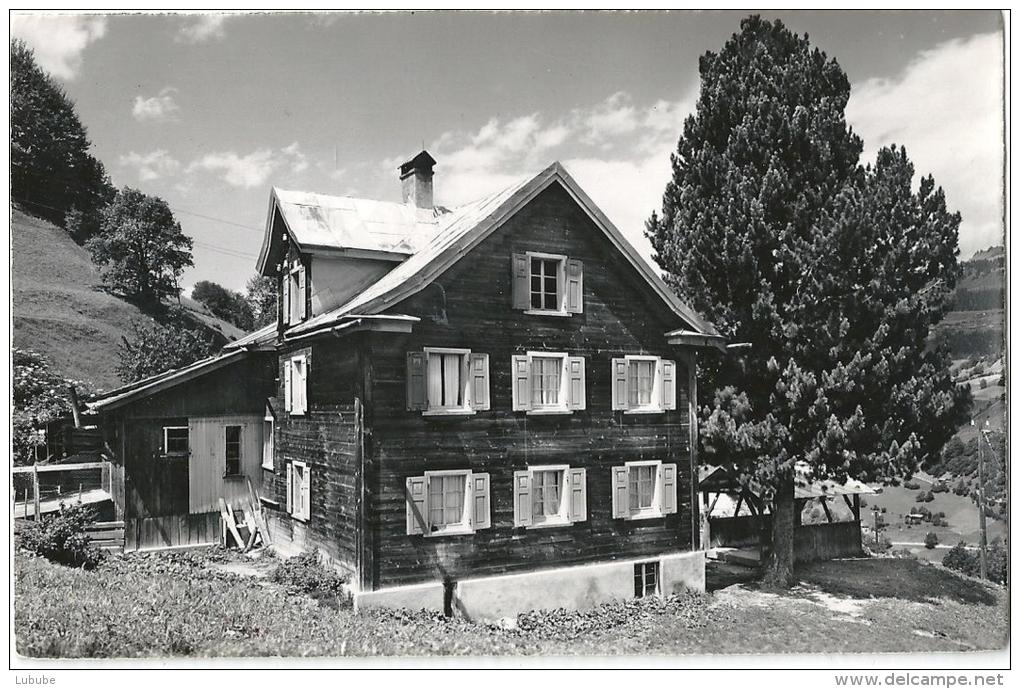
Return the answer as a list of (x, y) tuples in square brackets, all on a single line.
[(253, 169), (246, 171), (203, 27), (618, 150), (58, 39), (150, 166), (159, 108), (946, 108)]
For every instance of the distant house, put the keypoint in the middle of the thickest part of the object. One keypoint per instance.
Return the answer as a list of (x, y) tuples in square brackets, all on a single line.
[(483, 409)]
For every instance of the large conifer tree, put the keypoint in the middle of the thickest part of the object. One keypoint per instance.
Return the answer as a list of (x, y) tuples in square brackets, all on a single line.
[(833, 275)]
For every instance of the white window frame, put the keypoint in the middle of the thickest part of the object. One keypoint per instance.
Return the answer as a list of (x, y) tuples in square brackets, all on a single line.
[(268, 440), (291, 361), (655, 510), (656, 567), (464, 525), (561, 285), (563, 517), (562, 405), (166, 448), (304, 513), (655, 406), (240, 449), (465, 383)]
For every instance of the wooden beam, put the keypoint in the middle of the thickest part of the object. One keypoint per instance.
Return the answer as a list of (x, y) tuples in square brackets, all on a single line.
[(825, 506)]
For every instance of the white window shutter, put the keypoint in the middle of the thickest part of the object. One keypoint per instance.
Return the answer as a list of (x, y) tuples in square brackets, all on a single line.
[(288, 395), (621, 492), (522, 498), (299, 378), (286, 298), (668, 384), (620, 397), (575, 286), (575, 382), (478, 374), (290, 488), (520, 278), (578, 495), (302, 292), (520, 366), (306, 492), (668, 488), (417, 509), (480, 501)]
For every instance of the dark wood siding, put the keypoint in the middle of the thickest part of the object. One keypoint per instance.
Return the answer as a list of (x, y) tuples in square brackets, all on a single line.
[(470, 306), (326, 438)]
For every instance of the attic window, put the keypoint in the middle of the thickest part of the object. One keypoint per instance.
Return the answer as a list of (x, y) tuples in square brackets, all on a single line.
[(547, 284)]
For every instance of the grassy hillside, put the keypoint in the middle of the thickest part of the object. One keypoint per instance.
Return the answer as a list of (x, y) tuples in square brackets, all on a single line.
[(61, 310)]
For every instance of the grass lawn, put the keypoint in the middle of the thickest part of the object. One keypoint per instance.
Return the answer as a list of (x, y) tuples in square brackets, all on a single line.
[(221, 604)]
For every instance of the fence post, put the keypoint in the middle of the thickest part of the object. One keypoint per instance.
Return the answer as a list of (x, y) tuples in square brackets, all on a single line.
[(35, 489)]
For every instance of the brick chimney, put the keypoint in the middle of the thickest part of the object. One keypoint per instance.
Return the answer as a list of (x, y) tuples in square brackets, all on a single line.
[(416, 180)]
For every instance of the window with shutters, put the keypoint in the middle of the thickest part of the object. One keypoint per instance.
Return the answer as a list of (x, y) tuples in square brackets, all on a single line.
[(547, 284), (644, 490), (643, 384), (447, 502), (295, 384), (550, 496), (232, 450), (445, 381), (299, 483), (646, 579), (548, 383), (175, 440)]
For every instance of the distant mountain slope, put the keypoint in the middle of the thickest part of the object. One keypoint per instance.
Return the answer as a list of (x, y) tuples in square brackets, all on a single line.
[(61, 311), (975, 326)]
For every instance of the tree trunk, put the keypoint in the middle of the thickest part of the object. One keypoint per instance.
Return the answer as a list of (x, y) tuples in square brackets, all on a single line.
[(779, 565)]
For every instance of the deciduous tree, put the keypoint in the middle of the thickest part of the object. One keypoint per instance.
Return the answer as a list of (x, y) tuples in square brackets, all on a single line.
[(157, 347), (262, 298), (140, 249)]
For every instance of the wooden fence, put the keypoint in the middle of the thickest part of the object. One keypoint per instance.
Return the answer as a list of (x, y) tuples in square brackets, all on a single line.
[(41, 488), (824, 541)]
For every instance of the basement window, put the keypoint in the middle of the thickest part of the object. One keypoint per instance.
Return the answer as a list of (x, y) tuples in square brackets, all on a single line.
[(175, 440), (646, 579)]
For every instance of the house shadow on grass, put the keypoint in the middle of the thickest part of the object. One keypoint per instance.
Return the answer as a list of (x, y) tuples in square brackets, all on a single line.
[(894, 578)]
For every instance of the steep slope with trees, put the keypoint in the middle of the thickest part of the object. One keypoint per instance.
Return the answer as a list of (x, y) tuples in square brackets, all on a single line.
[(832, 273)]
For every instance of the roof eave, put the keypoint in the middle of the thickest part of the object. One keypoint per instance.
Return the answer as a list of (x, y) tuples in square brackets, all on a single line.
[(690, 338)]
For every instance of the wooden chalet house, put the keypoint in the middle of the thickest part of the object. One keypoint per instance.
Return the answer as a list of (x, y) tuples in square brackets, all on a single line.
[(486, 409)]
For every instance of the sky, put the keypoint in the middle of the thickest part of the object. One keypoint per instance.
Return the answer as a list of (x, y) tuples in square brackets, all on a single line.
[(210, 111)]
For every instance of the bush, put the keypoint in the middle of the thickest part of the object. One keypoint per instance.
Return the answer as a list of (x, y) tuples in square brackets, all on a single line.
[(961, 488), (962, 560), (903, 553), (983, 384), (931, 540), (62, 537), (940, 487), (305, 574), (911, 485)]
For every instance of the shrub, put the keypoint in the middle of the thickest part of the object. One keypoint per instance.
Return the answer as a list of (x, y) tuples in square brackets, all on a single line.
[(903, 553), (961, 488), (62, 537), (931, 540), (911, 485), (940, 487), (962, 560), (983, 384), (305, 574)]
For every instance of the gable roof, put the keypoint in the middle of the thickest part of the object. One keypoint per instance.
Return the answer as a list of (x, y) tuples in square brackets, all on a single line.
[(319, 222), (463, 229)]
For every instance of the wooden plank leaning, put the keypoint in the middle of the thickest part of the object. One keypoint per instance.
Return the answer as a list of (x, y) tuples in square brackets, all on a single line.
[(260, 516), (228, 519)]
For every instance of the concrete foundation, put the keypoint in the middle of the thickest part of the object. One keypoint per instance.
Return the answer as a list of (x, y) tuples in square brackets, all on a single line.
[(571, 588)]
